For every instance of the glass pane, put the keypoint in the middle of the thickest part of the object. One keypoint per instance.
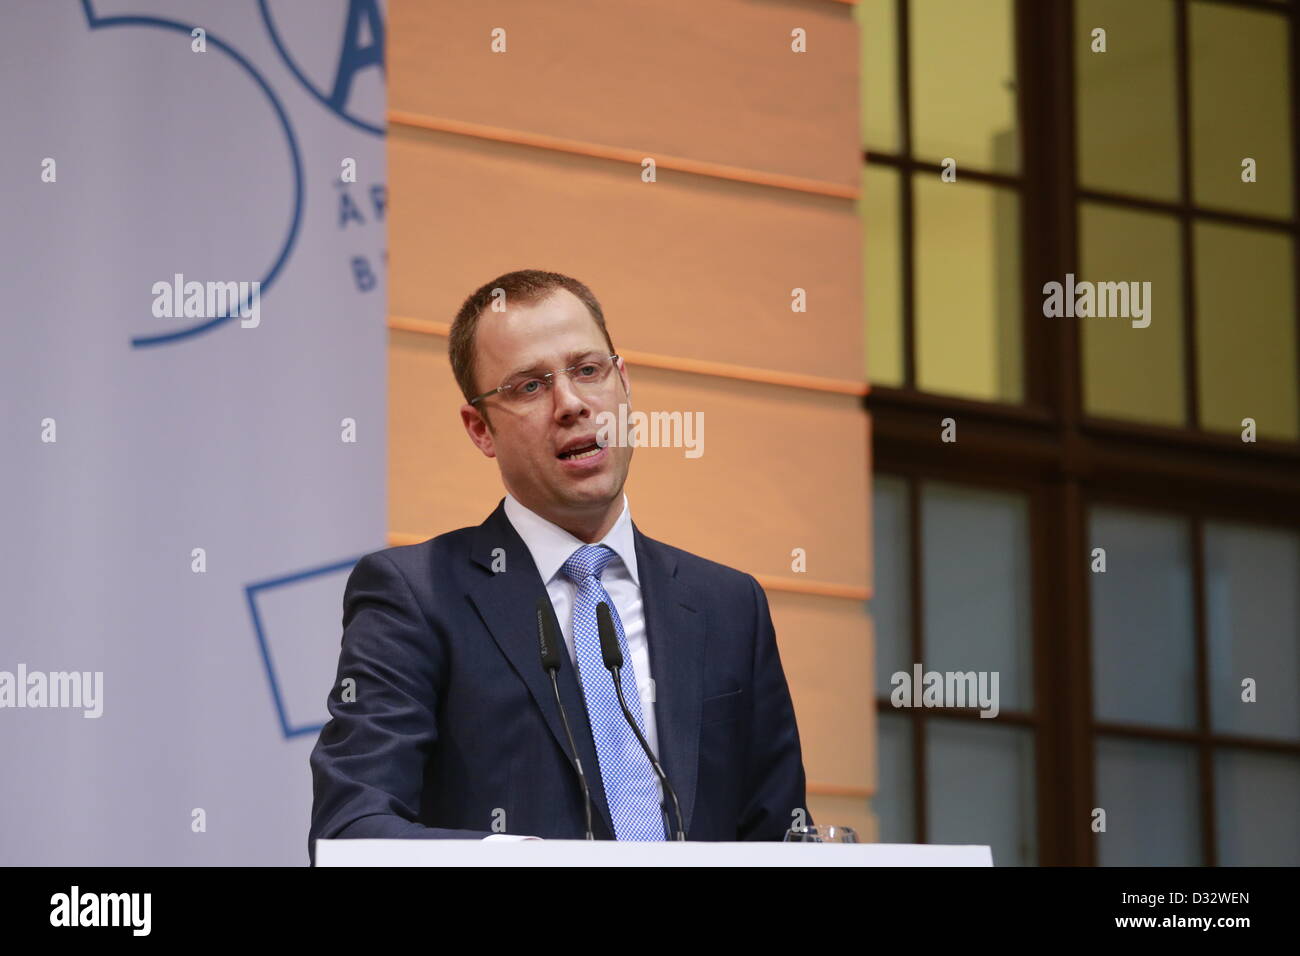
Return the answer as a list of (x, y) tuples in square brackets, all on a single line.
[(1245, 330), (968, 295), (1255, 801), (963, 83), (975, 555), (1252, 597), (980, 788), (1126, 116), (891, 602), (1149, 792), (1143, 630), (1133, 373), (878, 23), (882, 266), (1240, 108), (893, 803)]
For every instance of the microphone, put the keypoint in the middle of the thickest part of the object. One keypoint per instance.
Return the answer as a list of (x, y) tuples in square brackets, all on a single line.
[(549, 641), (614, 664)]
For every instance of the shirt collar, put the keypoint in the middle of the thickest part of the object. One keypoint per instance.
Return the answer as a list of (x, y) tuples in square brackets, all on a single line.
[(550, 545)]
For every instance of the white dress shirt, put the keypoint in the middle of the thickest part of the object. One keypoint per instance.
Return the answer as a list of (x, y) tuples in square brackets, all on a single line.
[(550, 546)]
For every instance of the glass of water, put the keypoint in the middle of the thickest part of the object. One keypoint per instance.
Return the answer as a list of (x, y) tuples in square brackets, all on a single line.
[(824, 833)]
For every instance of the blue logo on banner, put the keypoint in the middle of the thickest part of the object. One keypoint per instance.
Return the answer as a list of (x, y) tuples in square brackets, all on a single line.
[(252, 591), (96, 23), (362, 48)]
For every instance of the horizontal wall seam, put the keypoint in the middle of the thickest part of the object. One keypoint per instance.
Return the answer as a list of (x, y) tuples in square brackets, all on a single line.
[(674, 363), (621, 154)]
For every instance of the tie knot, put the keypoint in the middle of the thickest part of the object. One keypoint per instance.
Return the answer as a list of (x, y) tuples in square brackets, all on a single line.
[(587, 562)]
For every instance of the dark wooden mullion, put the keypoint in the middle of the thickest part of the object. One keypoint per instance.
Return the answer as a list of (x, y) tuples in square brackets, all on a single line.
[(907, 206), (1060, 640), (1262, 745), (1225, 216), (1205, 748), (912, 165), (1272, 6), (1020, 718), (1182, 67)]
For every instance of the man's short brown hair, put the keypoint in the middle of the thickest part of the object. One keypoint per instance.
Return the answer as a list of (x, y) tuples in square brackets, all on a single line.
[(524, 287)]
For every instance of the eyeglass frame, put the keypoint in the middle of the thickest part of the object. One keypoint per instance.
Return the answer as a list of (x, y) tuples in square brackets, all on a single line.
[(549, 378)]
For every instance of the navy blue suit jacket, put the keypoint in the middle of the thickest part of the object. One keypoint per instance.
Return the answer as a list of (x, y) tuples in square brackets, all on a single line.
[(454, 731)]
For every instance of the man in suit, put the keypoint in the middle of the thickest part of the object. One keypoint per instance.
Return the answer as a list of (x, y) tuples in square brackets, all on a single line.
[(444, 723)]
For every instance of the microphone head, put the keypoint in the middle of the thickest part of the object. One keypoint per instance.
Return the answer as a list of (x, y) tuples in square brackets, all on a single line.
[(608, 637), (548, 634)]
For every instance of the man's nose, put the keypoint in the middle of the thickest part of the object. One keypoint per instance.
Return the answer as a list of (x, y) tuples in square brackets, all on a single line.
[(568, 401)]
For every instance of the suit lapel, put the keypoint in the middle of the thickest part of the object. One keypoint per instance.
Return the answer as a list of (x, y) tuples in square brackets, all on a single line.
[(507, 603), (675, 634)]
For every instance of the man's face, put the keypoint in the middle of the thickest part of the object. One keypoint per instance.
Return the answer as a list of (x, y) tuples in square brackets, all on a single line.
[(527, 439)]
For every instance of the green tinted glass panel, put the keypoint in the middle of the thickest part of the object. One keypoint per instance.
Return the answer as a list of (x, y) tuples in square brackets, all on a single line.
[(1245, 330), (1240, 108), (878, 26), (963, 83), (968, 297), (1126, 117), (883, 271), (1132, 373)]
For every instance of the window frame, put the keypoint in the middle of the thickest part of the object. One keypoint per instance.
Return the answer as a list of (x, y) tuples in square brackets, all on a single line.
[(1063, 459)]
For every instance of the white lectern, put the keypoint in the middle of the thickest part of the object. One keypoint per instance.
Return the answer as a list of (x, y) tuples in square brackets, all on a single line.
[(612, 853)]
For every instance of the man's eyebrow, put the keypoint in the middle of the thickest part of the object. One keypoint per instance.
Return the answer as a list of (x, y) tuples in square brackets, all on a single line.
[(540, 367)]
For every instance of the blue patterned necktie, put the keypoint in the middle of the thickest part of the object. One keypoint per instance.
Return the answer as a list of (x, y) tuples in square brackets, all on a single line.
[(631, 786)]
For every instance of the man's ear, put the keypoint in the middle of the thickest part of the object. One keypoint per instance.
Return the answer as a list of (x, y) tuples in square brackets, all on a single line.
[(622, 373), (478, 429)]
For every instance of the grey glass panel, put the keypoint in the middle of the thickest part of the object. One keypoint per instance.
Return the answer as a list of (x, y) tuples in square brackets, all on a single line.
[(975, 553), (890, 603), (894, 802), (1143, 635), (1256, 798), (1252, 597), (1149, 792), (980, 788)]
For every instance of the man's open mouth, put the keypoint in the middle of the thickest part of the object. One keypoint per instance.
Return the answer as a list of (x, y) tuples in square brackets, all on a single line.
[(581, 451)]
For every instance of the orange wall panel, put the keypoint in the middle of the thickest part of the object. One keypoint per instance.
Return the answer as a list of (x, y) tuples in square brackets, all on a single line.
[(714, 81), (684, 266)]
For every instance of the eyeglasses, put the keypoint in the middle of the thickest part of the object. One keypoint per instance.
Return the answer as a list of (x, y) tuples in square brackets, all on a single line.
[(590, 373)]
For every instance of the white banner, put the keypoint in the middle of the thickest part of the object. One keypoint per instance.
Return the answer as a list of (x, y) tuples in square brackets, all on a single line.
[(193, 366)]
